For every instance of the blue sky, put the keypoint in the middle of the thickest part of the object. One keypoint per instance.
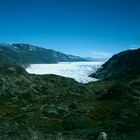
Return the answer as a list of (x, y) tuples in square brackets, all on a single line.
[(95, 28)]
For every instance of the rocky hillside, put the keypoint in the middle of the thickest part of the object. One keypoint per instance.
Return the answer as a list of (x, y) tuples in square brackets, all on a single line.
[(54, 107), (43, 107), (24, 54), (8, 57), (51, 107), (120, 65)]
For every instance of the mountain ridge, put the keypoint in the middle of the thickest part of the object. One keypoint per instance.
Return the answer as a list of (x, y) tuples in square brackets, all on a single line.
[(24, 54), (119, 65)]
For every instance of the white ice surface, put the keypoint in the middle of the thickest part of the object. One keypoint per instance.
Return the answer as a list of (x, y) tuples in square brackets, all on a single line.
[(79, 71)]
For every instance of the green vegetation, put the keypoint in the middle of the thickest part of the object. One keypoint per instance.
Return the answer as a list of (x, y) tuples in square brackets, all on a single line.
[(53, 107)]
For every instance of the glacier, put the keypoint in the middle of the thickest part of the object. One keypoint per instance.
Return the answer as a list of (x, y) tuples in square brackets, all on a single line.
[(79, 71)]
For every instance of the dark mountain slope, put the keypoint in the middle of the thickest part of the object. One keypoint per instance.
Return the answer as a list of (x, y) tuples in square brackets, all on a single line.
[(120, 65), (24, 54), (31, 54), (118, 95), (8, 57)]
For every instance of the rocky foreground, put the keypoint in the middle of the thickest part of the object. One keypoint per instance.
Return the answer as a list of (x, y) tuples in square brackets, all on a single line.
[(50, 107)]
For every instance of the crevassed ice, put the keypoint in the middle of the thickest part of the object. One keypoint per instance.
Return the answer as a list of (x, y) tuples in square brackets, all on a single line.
[(79, 71)]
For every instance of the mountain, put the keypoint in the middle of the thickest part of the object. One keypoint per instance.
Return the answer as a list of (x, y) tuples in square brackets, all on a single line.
[(8, 57), (118, 95), (120, 65), (24, 54)]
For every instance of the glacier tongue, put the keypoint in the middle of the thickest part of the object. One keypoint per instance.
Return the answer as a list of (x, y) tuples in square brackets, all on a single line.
[(80, 71)]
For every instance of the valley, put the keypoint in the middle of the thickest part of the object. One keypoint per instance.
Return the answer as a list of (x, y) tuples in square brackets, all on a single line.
[(59, 101), (69, 69)]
